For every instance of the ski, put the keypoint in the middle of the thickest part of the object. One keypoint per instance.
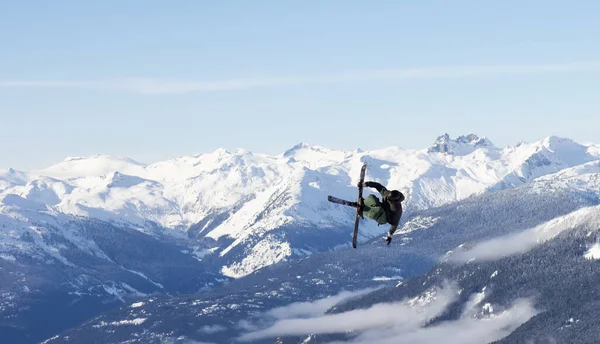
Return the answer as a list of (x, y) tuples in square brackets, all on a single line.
[(359, 214), (358, 209), (341, 201)]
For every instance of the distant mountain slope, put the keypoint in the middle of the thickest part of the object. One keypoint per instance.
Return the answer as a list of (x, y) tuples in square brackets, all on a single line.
[(252, 210), (428, 237), (58, 270), (553, 282)]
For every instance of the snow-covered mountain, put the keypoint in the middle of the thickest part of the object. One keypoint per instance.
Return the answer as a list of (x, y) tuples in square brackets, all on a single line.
[(470, 272), (57, 269), (97, 230), (253, 210)]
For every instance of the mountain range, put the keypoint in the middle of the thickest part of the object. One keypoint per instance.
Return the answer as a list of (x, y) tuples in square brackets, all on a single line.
[(84, 235), (516, 266)]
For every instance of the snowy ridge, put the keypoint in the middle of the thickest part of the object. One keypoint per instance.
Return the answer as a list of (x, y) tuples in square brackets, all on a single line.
[(463, 145), (493, 259), (257, 200)]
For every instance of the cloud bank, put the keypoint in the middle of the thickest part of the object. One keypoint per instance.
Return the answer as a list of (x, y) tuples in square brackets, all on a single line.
[(316, 308), (161, 86), (404, 322), (461, 331)]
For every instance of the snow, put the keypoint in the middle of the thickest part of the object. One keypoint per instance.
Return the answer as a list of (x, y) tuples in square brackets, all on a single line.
[(266, 252), (50, 339), (593, 252), (201, 253), (114, 291), (517, 243), (144, 277), (136, 321), (210, 329), (120, 290), (212, 308), (180, 192), (417, 223), (77, 167), (7, 257), (424, 299), (248, 197), (471, 306), (307, 339), (488, 308), (463, 145), (384, 278)]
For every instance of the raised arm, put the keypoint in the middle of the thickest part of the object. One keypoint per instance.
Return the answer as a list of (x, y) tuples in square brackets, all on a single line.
[(380, 188)]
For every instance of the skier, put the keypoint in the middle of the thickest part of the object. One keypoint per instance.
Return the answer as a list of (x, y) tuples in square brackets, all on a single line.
[(389, 210)]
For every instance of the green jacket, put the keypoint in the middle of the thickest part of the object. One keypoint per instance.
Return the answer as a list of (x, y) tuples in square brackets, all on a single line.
[(391, 203)]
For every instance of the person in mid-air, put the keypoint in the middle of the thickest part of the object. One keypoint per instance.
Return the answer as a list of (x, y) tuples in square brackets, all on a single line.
[(388, 210)]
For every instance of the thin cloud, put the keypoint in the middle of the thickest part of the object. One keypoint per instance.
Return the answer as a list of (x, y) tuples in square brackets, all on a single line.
[(466, 330), (161, 86), (316, 308), (210, 329), (401, 314)]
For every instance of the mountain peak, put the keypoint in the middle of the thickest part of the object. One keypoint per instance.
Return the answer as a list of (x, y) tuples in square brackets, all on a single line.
[(463, 144), (300, 146), (554, 141), (221, 151), (241, 151), (100, 158)]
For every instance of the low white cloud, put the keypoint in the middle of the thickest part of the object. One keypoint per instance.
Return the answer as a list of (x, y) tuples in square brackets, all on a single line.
[(162, 86), (405, 322), (407, 314), (522, 242), (210, 329), (316, 308), (181, 340), (461, 331)]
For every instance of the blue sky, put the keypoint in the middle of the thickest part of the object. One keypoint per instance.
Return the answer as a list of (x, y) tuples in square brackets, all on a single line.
[(153, 80)]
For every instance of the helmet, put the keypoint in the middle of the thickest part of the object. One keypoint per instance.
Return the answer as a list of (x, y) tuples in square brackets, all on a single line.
[(396, 196)]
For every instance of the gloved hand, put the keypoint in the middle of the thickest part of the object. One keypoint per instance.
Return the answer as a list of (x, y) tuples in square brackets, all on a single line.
[(388, 239), (364, 184)]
